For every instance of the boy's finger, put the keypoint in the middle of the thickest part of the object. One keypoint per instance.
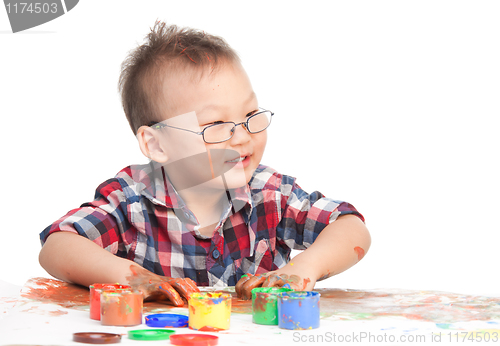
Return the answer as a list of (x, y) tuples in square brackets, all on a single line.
[(170, 292), (192, 285), (184, 286), (273, 280), (249, 285), (240, 283)]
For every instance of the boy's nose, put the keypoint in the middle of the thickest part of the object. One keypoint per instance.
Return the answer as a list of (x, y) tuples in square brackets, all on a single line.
[(244, 125), (240, 134)]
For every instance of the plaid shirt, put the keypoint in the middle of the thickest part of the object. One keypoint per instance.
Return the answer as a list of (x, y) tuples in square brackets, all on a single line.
[(139, 216)]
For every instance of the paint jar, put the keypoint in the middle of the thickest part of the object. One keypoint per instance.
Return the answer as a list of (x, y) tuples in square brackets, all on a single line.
[(209, 311), (95, 297), (298, 310), (265, 304), (121, 308)]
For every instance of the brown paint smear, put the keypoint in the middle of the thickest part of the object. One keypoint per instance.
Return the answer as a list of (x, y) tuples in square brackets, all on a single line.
[(336, 304)]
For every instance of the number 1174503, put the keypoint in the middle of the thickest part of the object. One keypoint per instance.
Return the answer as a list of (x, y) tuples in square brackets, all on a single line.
[(25, 7)]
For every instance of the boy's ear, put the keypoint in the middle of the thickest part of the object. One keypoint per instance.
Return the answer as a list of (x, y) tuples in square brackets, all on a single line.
[(150, 144)]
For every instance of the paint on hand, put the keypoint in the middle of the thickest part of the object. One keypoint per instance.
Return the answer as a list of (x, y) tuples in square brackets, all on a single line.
[(155, 287), (360, 252), (326, 276), (306, 282), (245, 285), (248, 282), (209, 311)]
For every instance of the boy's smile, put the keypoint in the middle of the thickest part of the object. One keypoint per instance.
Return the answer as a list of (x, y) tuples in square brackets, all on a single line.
[(202, 99)]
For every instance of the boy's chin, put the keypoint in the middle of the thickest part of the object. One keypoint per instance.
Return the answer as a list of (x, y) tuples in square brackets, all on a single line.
[(234, 181)]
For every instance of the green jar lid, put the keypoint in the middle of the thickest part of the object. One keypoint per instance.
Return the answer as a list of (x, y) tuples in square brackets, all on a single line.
[(150, 334), (271, 290)]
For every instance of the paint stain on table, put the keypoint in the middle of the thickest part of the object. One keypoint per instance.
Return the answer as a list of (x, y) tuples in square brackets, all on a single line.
[(56, 292), (335, 304), (427, 306)]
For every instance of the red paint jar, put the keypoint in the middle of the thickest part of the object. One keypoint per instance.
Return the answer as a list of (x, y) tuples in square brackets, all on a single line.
[(121, 308), (95, 297)]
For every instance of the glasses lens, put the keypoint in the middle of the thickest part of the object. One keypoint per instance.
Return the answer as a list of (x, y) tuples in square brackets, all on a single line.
[(259, 122), (218, 133)]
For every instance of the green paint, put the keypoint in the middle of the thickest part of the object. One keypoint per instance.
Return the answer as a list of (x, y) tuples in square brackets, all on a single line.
[(265, 306)]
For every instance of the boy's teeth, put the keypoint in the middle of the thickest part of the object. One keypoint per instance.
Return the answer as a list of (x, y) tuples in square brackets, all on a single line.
[(239, 159)]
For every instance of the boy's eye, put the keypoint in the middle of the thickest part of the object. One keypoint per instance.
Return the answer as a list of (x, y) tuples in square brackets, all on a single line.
[(211, 123), (216, 122), (251, 113)]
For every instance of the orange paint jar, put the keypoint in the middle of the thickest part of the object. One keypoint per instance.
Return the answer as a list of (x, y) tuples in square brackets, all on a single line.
[(95, 297), (121, 308)]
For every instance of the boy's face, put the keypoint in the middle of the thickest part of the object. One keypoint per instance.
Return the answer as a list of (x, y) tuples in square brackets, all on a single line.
[(193, 103)]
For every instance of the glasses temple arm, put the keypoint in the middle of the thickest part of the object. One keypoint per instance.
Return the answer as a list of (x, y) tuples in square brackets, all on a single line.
[(178, 128)]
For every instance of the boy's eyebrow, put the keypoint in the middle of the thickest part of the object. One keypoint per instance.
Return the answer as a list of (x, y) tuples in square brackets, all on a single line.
[(219, 107)]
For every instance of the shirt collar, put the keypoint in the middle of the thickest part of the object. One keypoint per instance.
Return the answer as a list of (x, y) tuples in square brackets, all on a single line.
[(152, 182), (156, 186)]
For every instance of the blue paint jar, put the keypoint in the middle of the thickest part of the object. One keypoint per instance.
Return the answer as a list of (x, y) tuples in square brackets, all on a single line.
[(298, 310)]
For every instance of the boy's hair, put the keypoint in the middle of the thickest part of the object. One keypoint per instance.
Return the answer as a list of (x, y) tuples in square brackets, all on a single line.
[(167, 49)]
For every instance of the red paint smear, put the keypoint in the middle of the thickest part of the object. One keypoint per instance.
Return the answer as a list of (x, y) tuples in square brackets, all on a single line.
[(360, 252), (306, 282), (209, 329), (414, 317), (57, 313), (57, 292), (37, 310)]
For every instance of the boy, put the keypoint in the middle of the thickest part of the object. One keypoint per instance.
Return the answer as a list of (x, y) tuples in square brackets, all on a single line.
[(203, 211)]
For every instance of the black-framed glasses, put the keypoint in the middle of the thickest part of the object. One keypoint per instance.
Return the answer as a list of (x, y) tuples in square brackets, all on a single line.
[(222, 131)]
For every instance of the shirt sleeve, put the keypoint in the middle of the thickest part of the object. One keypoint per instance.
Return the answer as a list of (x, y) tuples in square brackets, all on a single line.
[(304, 215), (101, 220)]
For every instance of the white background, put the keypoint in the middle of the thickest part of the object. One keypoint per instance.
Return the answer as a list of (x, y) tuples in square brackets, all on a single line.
[(390, 105)]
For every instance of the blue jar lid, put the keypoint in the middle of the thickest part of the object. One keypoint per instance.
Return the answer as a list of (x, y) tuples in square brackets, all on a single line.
[(167, 320)]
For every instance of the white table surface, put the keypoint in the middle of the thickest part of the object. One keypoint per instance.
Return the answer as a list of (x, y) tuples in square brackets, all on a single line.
[(27, 322)]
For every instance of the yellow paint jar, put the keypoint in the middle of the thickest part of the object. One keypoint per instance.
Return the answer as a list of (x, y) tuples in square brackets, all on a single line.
[(209, 311)]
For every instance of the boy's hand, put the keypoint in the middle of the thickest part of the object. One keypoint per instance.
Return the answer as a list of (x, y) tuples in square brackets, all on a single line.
[(338, 247), (272, 279), (156, 287)]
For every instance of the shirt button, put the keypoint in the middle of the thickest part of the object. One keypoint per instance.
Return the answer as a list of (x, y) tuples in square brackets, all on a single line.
[(216, 254), (186, 214)]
